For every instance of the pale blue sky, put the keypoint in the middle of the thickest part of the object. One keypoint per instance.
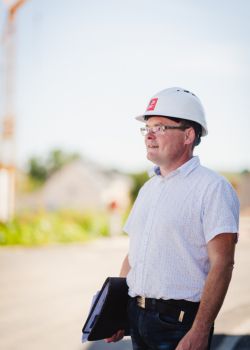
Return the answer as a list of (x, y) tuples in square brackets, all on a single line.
[(86, 68)]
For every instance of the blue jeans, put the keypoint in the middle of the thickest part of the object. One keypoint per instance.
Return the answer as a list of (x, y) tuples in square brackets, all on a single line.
[(151, 330)]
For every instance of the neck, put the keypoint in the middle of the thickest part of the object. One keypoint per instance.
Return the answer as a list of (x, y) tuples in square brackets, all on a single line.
[(171, 166)]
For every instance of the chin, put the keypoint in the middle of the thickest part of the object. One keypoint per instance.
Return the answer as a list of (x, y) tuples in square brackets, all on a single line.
[(151, 157)]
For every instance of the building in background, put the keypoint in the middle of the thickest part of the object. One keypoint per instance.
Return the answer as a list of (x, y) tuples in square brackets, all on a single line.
[(80, 186)]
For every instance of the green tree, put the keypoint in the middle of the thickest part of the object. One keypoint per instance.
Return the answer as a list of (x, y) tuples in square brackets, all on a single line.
[(138, 180), (58, 158), (37, 169), (40, 169)]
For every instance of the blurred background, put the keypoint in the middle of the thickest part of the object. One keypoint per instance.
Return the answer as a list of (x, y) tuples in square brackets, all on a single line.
[(73, 75)]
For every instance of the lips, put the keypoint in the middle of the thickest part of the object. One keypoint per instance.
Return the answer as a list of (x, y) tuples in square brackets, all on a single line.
[(152, 146)]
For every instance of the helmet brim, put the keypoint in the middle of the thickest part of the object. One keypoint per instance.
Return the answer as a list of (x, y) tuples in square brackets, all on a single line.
[(140, 118)]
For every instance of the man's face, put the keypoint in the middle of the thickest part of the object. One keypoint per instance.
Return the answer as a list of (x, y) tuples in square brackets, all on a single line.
[(164, 149)]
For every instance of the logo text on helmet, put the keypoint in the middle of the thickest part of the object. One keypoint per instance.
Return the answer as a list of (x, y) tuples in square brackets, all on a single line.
[(152, 104)]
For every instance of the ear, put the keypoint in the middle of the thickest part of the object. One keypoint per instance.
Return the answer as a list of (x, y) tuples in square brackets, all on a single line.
[(189, 136)]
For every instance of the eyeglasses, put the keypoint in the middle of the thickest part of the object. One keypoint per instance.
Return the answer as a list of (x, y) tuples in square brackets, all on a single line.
[(160, 129)]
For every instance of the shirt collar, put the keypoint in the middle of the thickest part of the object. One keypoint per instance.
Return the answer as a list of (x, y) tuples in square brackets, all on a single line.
[(184, 169), (154, 171)]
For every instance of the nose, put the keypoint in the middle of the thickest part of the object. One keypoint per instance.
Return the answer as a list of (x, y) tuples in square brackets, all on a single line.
[(150, 135)]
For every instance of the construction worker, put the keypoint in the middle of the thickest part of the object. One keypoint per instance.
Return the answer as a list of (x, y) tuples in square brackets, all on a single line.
[(182, 228)]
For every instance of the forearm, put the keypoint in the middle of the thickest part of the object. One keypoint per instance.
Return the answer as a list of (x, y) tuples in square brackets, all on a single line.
[(125, 267), (213, 296)]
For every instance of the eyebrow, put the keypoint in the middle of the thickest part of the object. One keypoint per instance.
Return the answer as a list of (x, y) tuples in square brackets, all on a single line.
[(158, 124)]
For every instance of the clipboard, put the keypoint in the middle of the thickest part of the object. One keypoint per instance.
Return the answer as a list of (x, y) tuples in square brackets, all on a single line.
[(108, 312)]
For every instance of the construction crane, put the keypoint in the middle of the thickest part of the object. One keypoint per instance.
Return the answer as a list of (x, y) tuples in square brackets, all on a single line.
[(7, 129)]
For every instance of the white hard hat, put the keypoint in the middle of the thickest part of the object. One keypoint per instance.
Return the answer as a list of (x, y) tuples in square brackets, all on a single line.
[(179, 103)]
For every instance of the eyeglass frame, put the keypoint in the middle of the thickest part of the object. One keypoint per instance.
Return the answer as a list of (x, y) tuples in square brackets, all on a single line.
[(161, 129)]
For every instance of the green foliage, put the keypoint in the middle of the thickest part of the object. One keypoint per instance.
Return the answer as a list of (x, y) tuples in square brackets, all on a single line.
[(37, 169), (57, 159), (138, 180), (40, 169), (58, 227)]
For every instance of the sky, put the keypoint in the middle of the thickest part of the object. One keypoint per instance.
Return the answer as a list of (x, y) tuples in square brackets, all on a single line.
[(85, 69)]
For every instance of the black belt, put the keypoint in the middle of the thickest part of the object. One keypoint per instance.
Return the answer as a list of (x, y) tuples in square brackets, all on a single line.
[(180, 310)]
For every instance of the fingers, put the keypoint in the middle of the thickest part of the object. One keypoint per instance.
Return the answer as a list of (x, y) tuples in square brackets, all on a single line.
[(120, 335), (115, 337)]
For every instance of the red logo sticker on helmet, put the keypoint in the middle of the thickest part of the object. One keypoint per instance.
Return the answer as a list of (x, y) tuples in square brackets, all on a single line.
[(152, 104)]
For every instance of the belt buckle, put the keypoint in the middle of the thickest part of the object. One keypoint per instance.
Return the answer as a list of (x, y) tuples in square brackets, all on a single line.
[(141, 301)]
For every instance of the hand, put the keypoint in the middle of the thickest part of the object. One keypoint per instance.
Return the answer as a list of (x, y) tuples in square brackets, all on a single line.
[(115, 337), (193, 341)]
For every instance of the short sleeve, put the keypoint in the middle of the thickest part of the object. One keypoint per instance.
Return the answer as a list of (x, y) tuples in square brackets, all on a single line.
[(220, 210)]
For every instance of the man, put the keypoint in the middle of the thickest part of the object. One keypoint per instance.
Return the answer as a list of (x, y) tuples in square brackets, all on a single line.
[(183, 229)]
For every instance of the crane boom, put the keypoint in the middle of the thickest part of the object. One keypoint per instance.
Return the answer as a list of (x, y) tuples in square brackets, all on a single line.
[(7, 137)]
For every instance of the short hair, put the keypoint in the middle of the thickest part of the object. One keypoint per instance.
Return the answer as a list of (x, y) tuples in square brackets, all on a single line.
[(191, 124)]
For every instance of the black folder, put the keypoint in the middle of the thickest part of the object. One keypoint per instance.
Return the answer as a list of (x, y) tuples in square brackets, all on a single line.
[(108, 314)]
